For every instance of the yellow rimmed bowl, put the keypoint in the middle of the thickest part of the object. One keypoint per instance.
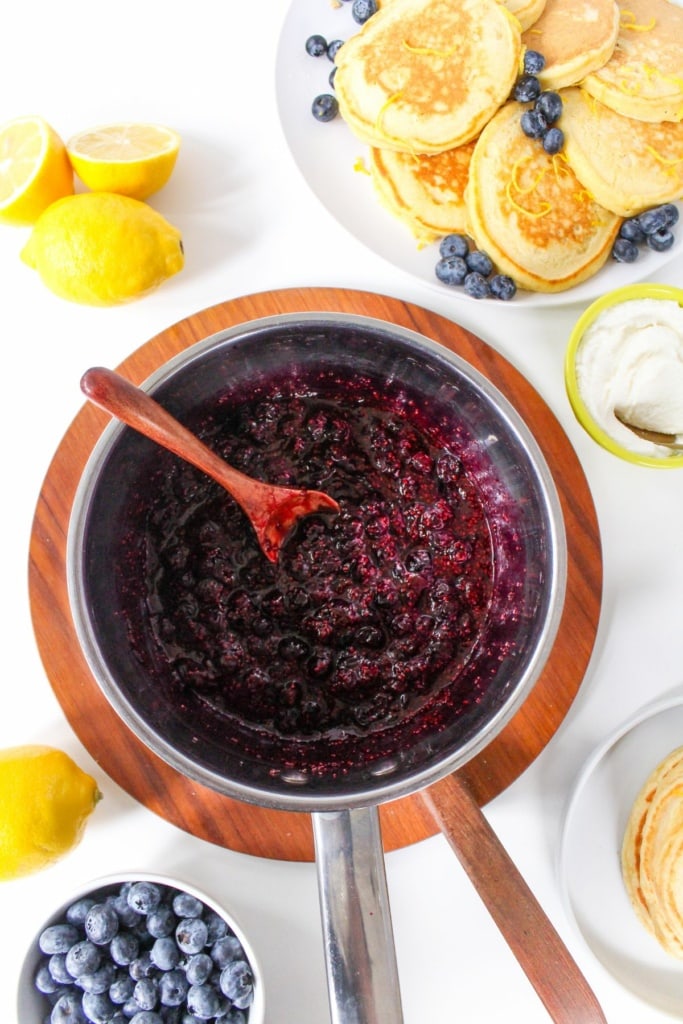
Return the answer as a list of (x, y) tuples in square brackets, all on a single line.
[(583, 414)]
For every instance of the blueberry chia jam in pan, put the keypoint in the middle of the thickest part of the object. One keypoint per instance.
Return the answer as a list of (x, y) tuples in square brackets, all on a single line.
[(380, 632)]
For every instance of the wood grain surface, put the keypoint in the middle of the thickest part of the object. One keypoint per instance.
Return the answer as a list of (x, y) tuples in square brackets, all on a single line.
[(279, 834)]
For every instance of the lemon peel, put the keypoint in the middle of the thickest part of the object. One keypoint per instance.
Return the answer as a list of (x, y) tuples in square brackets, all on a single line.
[(34, 169), (46, 800), (101, 248)]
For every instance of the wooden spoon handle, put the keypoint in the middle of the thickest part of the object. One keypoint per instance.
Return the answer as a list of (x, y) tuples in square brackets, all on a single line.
[(545, 959)]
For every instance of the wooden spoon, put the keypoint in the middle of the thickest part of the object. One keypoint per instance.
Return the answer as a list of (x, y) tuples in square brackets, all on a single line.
[(539, 950), (273, 511), (656, 436)]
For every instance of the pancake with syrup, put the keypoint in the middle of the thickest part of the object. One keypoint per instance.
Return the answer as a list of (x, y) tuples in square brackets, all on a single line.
[(627, 165), (529, 211), (426, 192), (424, 76), (643, 78), (575, 37)]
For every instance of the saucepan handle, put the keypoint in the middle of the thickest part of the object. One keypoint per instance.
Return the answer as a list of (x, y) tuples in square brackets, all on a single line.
[(362, 975), (539, 949)]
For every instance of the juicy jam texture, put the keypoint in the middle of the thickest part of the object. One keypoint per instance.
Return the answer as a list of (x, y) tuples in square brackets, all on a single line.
[(366, 613)]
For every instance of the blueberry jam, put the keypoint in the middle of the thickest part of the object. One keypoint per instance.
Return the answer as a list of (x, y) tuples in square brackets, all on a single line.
[(367, 613)]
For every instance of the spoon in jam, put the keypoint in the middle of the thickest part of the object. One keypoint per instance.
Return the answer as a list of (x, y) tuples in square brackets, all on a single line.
[(656, 436), (272, 510)]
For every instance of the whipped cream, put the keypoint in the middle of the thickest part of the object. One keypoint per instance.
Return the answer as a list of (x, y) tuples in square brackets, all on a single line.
[(630, 362)]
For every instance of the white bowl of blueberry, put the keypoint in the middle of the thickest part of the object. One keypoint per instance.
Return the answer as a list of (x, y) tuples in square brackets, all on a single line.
[(140, 949)]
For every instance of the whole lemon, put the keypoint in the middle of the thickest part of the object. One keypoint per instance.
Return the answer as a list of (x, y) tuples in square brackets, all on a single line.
[(101, 248), (45, 802)]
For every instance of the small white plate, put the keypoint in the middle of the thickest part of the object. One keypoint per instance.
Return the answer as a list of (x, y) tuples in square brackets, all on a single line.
[(330, 159), (590, 868)]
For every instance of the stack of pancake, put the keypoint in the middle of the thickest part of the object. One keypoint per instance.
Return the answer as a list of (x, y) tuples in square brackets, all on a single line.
[(427, 85), (652, 854)]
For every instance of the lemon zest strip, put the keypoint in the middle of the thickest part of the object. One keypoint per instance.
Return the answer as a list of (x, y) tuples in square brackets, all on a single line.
[(627, 19), (359, 166), (428, 51), (383, 109)]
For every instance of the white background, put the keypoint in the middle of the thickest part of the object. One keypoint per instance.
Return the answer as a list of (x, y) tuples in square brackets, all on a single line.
[(250, 223)]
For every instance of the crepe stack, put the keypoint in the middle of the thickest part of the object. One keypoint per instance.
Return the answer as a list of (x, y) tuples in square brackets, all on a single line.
[(652, 854), (427, 85)]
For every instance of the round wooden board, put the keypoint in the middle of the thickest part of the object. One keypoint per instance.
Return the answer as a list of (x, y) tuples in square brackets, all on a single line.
[(279, 834)]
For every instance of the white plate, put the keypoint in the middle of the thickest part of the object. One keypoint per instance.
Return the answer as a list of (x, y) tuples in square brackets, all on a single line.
[(328, 156), (590, 870)]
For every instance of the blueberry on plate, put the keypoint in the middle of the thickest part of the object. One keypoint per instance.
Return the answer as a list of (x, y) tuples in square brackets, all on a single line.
[(632, 231), (363, 9), (325, 107), (550, 105), (476, 285), (624, 251), (527, 89), (454, 245), (534, 62), (553, 141), (655, 219), (451, 270), (534, 124), (480, 262), (334, 47), (316, 45), (660, 240), (502, 287)]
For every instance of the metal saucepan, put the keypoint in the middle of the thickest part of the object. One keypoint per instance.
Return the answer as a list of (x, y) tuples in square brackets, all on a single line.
[(527, 535)]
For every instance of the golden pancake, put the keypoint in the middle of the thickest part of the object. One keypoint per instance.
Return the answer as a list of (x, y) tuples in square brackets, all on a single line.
[(575, 37), (652, 854), (643, 78), (526, 11), (426, 192), (530, 213), (424, 76), (627, 165)]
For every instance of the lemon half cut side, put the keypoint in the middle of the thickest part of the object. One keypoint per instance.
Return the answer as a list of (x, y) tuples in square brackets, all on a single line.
[(130, 159), (34, 169)]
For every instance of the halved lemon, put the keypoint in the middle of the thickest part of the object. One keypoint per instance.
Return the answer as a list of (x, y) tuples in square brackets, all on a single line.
[(34, 169), (131, 159)]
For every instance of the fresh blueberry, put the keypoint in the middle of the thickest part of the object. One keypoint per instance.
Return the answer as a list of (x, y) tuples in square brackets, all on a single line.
[(98, 1007), (144, 897), (479, 261), (631, 230), (198, 968), (68, 1010), (363, 9), (553, 141), (654, 220), (142, 966), (216, 926), (226, 949), (660, 240), (203, 1001), (331, 77), (99, 981), (333, 48), (75, 914), (57, 967), (45, 981), (502, 287), (173, 988), (316, 45), (476, 285), (146, 993), (550, 105), (454, 245), (237, 984), (161, 922), (121, 988), (671, 213), (58, 938), (527, 89), (83, 958), (186, 905), (101, 924), (451, 270), (325, 107), (191, 935), (533, 124), (624, 251), (124, 948), (165, 954), (147, 1017), (534, 62)]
